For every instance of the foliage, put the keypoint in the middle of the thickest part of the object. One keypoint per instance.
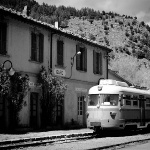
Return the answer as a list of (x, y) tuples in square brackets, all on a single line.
[(92, 37), (53, 90), (136, 71), (109, 28), (13, 88)]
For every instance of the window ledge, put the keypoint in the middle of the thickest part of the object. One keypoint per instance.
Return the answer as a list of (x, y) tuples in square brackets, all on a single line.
[(36, 62), (59, 66), (82, 71), (4, 55), (98, 74)]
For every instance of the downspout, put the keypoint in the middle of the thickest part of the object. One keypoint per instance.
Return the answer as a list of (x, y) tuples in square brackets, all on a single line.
[(51, 53), (107, 66)]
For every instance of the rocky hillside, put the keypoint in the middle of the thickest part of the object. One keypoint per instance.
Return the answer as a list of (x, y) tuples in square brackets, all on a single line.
[(121, 34), (125, 35)]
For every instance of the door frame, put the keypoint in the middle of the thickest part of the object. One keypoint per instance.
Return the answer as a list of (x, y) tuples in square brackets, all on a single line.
[(81, 94)]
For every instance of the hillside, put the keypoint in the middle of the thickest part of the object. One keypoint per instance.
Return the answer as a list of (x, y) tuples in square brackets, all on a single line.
[(125, 35), (119, 33)]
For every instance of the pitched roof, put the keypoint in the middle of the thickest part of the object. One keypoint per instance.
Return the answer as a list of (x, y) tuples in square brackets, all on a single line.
[(27, 19), (118, 76)]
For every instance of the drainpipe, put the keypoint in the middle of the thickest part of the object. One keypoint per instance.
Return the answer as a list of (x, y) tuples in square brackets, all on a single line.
[(107, 66), (51, 49)]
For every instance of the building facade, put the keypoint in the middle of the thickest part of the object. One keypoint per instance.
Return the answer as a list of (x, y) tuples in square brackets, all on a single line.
[(30, 44)]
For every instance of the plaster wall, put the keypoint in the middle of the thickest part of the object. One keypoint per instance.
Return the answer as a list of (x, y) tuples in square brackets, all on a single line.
[(69, 51)]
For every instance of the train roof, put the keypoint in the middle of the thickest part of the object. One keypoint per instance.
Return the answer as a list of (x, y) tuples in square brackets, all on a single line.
[(116, 87)]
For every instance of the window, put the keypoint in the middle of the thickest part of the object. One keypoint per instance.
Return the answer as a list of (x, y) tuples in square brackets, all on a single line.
[(37, 45), (93, 99), (103, 99), (147, 102), (127, 99), (134, 98), (3, 38), (60, 52), (135, 103), (109, 99), (81, 60), (128, 102), (97, 62)]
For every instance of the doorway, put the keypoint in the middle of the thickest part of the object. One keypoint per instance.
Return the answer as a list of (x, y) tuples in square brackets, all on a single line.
[(33, 109), (81, 109), (2, 113)]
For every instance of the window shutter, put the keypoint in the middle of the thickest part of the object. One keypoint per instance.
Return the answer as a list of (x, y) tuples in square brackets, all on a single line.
[(94, 62), (100, 63), (0, 38), (3, 38), (61, 52), (60, 47), (77, 58), (85, 59), (41, 47), (33, 46)]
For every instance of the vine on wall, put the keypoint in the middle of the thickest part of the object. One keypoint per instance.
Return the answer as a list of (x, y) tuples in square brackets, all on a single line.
[(53, 90), (13, 89)]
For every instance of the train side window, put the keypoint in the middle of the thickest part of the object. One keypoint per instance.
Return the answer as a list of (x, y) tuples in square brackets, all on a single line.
[(127, 99), (135, 103), (128, 102), (147, 102), (135, 100), (93, 99), (109, 99)]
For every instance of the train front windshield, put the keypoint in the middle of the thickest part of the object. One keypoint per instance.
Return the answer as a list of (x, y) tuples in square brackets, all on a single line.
[(103, 99)]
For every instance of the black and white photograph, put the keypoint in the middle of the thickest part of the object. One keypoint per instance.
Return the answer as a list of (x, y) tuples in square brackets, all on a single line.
[(74, 74)]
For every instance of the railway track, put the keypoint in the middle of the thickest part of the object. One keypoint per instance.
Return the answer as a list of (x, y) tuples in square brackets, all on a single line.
[(122, 145), (45, 140), (28, 142)]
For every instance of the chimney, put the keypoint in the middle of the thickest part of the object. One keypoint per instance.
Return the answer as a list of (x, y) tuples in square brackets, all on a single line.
[(24, 12), (56, 24)]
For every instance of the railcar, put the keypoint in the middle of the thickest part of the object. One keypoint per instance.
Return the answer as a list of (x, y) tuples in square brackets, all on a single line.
[(115, 105)]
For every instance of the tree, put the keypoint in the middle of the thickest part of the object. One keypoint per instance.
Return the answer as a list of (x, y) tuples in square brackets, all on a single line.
[(53, 90), (132, 69), (13, 89)]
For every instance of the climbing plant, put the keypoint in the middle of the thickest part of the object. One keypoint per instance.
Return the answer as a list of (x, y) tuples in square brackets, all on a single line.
[(13, 89), (53, 90)]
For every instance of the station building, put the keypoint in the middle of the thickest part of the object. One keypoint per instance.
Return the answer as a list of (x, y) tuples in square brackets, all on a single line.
[(30, 44)]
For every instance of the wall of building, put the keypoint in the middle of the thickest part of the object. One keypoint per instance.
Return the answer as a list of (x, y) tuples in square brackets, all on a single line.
[(19, 46), (69, 51), (75, 88), (19, 52), (80, 81)]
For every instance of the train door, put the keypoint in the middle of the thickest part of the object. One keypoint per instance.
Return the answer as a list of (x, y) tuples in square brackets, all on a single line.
[(142, 110), (33, 109), (81, 109)]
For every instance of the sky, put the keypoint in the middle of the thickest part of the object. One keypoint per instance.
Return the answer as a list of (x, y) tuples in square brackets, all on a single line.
[(138, 8)]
